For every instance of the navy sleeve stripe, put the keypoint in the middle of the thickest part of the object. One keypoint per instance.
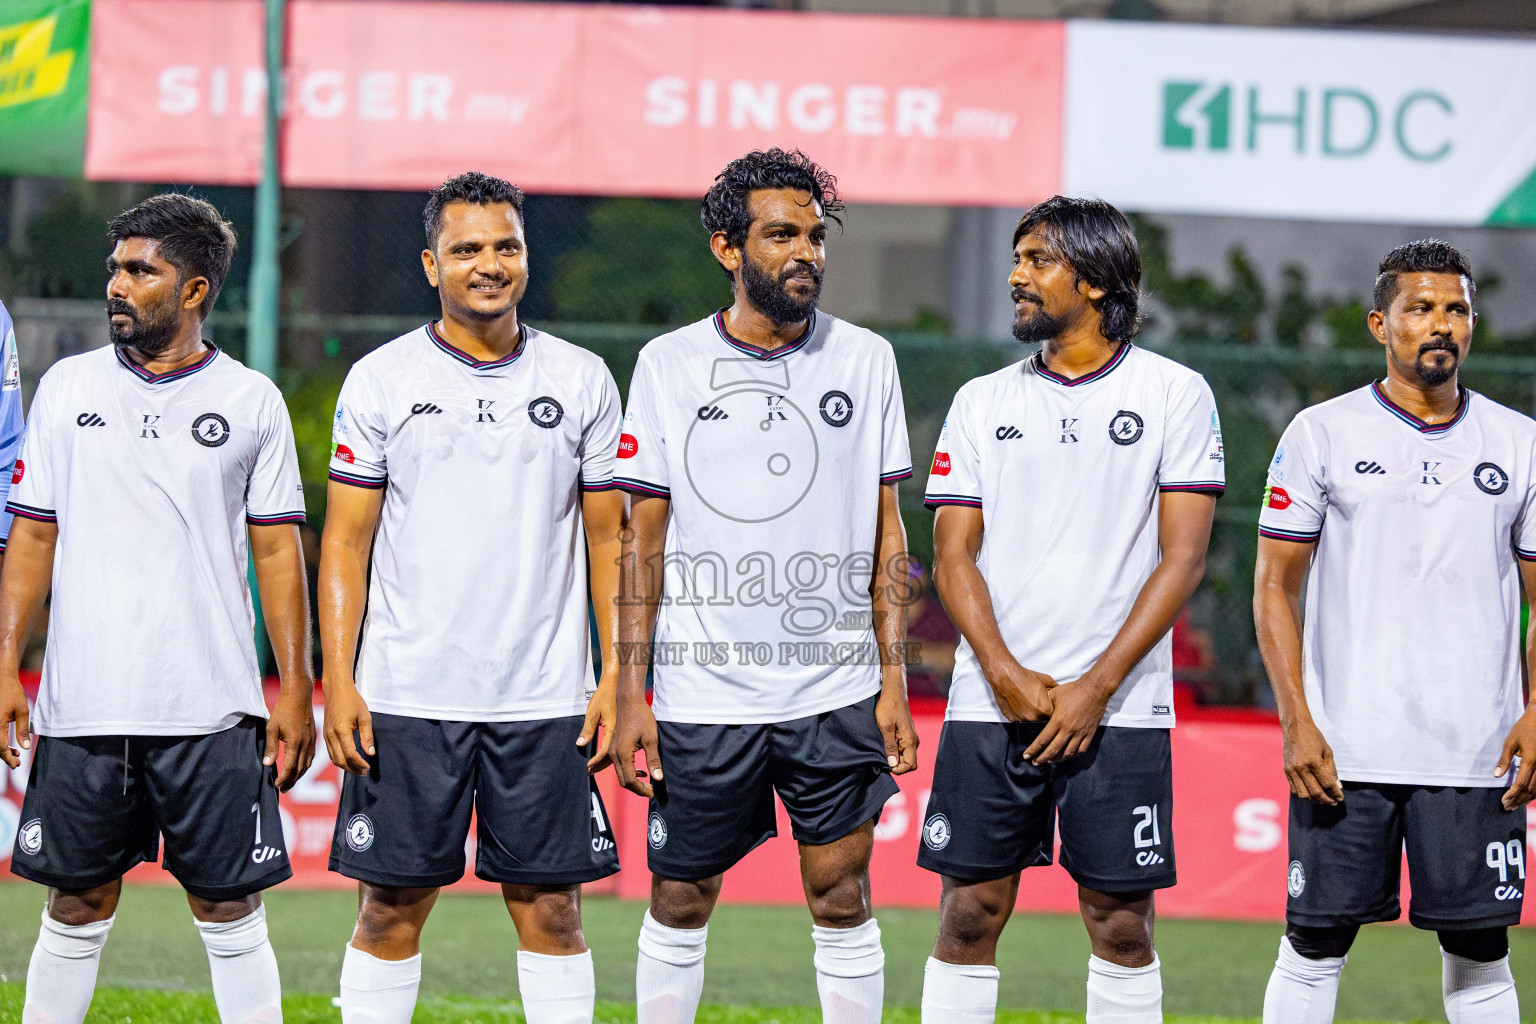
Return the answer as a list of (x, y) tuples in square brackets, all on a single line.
[(1206, 488), (1298, 537), (935, 500), (41, 515), (896, 477), (641, 487), (358, 481), (606, 485), (274, 520), (1520, 553)]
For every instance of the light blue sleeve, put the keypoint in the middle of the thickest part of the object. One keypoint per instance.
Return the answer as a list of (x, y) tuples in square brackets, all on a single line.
[(12, 424)]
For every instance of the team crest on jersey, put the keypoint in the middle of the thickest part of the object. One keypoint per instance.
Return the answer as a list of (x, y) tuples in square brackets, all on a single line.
[(1490, 479), (1295, 879), (545, 411), (210, 429), (656, 831), (1125, 428), (936, 832), (30, 838), (836, 408), (359, 832)]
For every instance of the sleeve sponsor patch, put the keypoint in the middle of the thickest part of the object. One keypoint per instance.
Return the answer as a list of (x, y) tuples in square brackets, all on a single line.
[(1275, 497), (941, 464), (629, 445)]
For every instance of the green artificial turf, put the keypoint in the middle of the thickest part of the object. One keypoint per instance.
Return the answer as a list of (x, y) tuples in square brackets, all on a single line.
[(154, 968)]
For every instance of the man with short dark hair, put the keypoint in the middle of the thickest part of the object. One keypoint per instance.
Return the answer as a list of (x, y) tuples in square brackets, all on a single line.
[(1075, 493), (471, 506), (1408, 507), (761, 450), (149, 470)]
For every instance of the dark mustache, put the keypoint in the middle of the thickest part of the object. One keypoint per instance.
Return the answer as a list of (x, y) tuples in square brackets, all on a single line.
[(118, 306), (1439, 346), (809, 268), (1019, 295)]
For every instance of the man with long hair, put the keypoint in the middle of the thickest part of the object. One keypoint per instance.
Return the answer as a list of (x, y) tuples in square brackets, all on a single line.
[(1091, 469)]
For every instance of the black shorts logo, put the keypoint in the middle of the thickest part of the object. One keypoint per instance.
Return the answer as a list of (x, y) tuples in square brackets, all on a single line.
[(1295, 880), (546, 412), (210, 429), (1125, 428), (656, 831), (1490, 479), (30, 839), (836, 408), (359, 832), (936, 832)]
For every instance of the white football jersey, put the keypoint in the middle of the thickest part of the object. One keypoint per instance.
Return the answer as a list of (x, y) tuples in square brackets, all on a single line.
[(477, 602), (1067, 474), (1411, 641), (773, 462), (152, 480)]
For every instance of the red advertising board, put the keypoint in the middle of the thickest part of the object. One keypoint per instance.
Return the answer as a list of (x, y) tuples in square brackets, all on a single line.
[(1229, 833), (566, 98)]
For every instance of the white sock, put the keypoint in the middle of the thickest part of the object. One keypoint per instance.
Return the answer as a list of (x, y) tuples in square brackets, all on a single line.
[(1477, 993), (556, 989), (62, 976), (375, 991), (1129, 995), (669, 976), (1302, 991), (246, 988), (850, 973), (959, 993)]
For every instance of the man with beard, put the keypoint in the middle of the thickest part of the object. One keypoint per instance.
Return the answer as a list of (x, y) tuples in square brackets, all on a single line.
[(150, 469), (761, 450), (1412, 502), (1074, 492), (474, 459)]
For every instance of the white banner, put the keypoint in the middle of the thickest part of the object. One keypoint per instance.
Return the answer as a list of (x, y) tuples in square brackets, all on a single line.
[(1318, 125)]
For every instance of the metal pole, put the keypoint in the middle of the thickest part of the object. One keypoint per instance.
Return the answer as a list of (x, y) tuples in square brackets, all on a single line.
[(265, 281)]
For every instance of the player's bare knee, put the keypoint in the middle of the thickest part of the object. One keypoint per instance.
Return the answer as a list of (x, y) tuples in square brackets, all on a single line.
[(680, 904), (546, 918), (223, 911), (970, 918), (841, 902), (387, 916), (1120, 928), (84, 906)]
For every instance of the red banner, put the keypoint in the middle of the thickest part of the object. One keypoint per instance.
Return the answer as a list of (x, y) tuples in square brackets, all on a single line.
[(1229, 832), (571, 99)]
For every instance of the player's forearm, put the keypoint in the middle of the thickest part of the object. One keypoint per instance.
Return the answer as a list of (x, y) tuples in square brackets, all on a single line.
[(1277, 622), (342, 593), (285, 604), (25, 577), (969, 603), (640, 567), (890, 593), (603, 519), (1162, 597)]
